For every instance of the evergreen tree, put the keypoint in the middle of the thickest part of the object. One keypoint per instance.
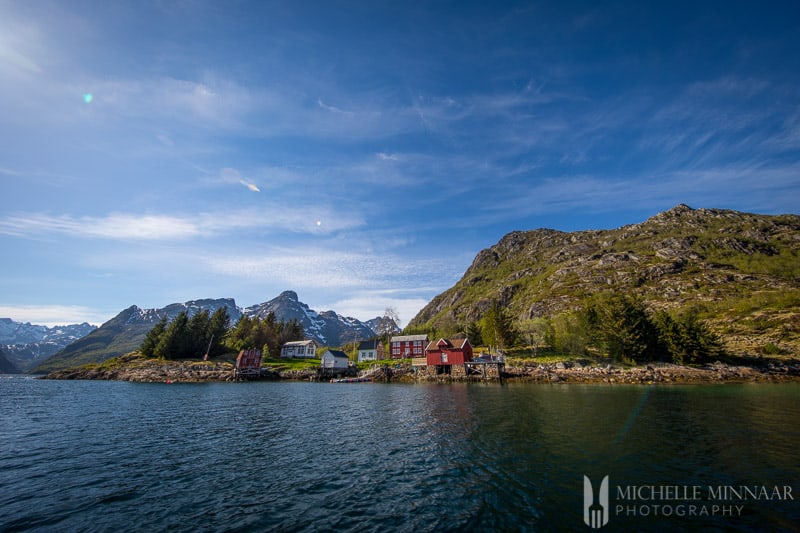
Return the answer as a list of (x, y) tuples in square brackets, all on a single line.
[(175, 339), (473, 331), (686, 339), (199, 335), (220, 322), (239, 337), (148, 347), (496, 328), (269, 332), (624, 327)]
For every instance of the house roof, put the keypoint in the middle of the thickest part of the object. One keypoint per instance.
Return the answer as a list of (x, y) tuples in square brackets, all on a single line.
[(406, 338), (457, 344), (368, 345), (338, 354), (300, 343)]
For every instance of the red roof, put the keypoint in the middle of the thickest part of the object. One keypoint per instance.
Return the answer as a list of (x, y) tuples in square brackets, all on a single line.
[(457, 344)]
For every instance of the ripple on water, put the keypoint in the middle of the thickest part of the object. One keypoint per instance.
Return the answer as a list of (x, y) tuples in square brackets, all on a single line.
[(101, 456)]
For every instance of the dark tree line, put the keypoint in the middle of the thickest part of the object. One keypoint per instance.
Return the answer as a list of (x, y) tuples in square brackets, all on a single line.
[(624, 330), (267, 334), (616, 326), (185, 337)]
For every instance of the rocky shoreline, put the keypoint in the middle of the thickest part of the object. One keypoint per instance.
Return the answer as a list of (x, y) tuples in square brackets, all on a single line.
[(653, 374), (159, 371)]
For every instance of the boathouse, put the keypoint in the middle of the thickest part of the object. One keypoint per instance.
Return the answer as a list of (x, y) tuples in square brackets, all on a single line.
[(445, 352), (334, 359), (248, 364)]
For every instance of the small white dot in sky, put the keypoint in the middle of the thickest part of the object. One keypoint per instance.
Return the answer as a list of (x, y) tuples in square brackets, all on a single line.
[(319, 222)]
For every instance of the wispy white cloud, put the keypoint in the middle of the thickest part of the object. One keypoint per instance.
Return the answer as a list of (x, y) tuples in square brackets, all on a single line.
[(756, 186), (333, 109), (118, 226), (320, 268), (366, 305), (9, 172), (12, 57), (150, 227)]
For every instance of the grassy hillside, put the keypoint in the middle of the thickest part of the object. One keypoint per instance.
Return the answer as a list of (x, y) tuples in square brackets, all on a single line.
[(740, 270), (112, 339)]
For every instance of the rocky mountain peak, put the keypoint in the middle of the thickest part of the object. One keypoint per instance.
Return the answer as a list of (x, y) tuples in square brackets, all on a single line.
[(288, 295), (677, 259), (26, 344)]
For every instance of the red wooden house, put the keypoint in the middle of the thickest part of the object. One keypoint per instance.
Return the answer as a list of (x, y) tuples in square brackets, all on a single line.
[(448, 352), (408, 346), (248, 363)]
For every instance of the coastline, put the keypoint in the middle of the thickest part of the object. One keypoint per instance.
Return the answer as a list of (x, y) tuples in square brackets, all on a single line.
[(650, 374), (139, 370)]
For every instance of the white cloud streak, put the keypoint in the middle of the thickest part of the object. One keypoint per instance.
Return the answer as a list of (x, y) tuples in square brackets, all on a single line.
[(316, 268), (149, 227)]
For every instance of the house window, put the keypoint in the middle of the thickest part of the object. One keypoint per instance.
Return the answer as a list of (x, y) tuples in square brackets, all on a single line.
[(444, 357)]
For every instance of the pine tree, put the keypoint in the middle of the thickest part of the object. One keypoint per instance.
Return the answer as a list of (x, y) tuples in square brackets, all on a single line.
[(624, 327), (496, 327), (148, 347), (175, 340), (220, 322)]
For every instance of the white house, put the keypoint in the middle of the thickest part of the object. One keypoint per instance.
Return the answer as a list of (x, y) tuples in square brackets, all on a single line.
[(370, 350), (335, 359), (306, 349)]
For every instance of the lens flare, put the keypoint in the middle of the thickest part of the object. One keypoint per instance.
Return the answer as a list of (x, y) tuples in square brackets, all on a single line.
[(252, 186), (87, 98)]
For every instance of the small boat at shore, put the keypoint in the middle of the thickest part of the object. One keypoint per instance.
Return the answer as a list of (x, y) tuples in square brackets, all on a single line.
[(351, 380)]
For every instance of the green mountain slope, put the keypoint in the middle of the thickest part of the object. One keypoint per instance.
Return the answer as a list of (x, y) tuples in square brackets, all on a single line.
[(118, 336), (741, 270)]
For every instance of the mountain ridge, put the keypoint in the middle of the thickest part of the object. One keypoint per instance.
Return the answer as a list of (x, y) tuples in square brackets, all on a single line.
[(683, 257), (126, 331), (25, 344)]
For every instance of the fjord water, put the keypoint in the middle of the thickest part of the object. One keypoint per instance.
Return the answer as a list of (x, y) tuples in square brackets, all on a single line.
[(289, 456)]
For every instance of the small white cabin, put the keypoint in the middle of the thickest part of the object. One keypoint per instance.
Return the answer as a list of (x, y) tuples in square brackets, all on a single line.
[(305, 349), (335, 359)]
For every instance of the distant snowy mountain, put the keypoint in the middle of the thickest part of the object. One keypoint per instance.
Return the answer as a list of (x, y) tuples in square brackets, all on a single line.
[(137, 315), (6, 366), (26, 344), (328, 328), (126, 331)]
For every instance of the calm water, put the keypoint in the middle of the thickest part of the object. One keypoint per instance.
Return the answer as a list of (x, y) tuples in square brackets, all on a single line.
[(107, 456)]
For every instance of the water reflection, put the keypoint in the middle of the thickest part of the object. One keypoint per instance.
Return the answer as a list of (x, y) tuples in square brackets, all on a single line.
[(301, 456)]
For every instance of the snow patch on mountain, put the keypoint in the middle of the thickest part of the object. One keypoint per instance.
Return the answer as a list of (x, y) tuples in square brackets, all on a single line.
[(25, 344)]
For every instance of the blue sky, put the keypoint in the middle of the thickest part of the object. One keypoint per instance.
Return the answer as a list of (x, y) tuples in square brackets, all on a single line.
[(362, 153)]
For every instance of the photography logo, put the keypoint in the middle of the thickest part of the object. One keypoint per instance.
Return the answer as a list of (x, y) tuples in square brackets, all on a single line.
[(595, 513)]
